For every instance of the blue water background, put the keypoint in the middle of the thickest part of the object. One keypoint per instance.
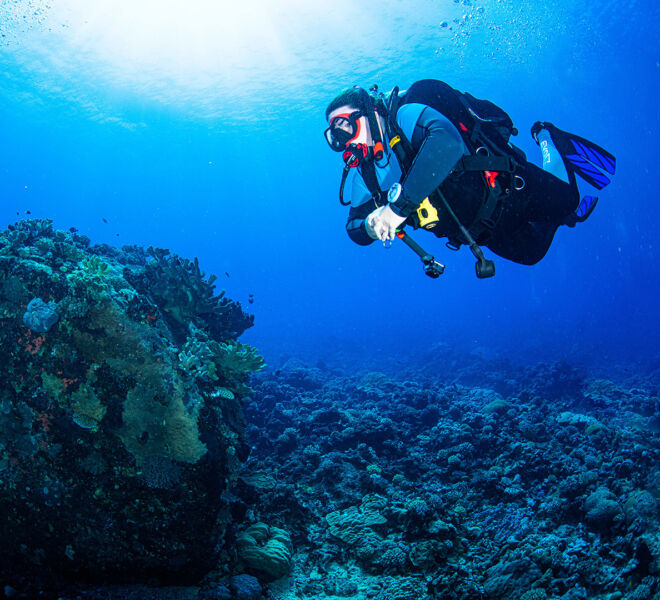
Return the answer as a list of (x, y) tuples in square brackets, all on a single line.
[(229, 165)]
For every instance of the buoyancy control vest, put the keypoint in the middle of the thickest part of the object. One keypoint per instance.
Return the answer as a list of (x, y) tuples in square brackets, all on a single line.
[(485, 129)]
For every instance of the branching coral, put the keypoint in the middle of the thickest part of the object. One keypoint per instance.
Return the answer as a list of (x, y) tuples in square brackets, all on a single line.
[(211, 362), (235, 362), (179, 288)]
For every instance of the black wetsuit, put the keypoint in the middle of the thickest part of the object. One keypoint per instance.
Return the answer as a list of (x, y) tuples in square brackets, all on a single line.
[(527, 219)]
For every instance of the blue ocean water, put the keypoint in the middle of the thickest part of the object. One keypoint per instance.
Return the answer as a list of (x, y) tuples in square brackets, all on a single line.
[(199, 128)]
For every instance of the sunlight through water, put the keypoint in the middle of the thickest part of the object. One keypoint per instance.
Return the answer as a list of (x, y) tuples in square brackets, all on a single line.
[(194, 54), (214, 59)]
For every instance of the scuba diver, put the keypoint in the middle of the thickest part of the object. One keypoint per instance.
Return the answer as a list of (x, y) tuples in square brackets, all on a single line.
[(432, 157)]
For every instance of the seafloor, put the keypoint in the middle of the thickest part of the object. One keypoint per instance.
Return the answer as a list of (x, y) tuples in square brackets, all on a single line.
[(470, 478), (140, 459)]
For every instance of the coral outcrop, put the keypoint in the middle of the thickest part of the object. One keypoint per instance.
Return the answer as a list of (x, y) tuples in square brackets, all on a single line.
[(121, 426)]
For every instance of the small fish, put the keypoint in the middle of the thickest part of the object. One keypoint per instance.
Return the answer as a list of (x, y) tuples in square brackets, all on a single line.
[(117, 234), (227, 274), (104, 219), (17, 213), (73, 229), (277, 372), (27, 212)]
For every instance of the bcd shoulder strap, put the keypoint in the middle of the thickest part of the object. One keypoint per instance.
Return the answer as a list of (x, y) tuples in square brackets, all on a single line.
[(487, 157)]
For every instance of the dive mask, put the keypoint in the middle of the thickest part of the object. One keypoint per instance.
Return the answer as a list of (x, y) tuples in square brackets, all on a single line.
[(344, 129)]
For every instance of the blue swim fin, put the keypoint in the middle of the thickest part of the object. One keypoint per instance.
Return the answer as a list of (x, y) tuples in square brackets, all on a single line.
[(584, 158), (582, 212)]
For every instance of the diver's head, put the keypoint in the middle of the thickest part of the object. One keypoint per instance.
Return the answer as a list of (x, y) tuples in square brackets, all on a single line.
[(347, 125), (352, 120)]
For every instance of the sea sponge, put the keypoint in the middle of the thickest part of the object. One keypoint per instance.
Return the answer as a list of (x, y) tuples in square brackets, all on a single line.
[(40, 316), (266, 551)]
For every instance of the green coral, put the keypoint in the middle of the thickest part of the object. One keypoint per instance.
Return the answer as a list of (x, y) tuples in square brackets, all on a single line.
[(154, 425), (228, 364), (160, 413), (235, 362), (143, 368), (160, 404), (95, 267), (197, 359), (90, 278), (52, 385)]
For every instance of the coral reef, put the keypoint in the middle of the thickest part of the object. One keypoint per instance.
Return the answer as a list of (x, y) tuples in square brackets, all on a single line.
[(121, 425), (135, 443)]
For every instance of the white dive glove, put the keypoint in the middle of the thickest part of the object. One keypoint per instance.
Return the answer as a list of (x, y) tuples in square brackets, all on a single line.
[(383, 222)]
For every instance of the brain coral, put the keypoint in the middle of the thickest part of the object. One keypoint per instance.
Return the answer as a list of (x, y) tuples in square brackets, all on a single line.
[(266, 551)]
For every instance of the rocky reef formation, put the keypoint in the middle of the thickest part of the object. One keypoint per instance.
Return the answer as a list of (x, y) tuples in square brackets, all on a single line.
[(121, 426)]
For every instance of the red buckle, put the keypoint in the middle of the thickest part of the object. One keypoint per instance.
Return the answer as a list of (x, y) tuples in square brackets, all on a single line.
[(490, 177)]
